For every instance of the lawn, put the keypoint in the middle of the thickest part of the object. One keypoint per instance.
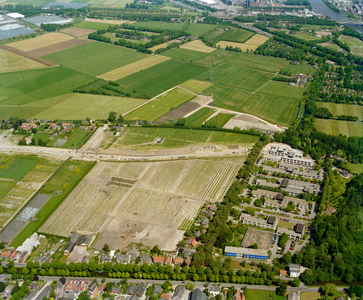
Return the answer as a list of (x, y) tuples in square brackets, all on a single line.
[(233, 34), (355, 44), (300, 69), (77, 139), (70, 174), (335, 127), (92, 25), (343, 109), (19, 88), (184, 54), (262, 295), (15, 167), (160, 106), (95, 58), (305, 36), (159, 25), (355, 168), (77, 106), (41, 136), (5, 187), (159, 78), (219, 120), (197, 119), (318, 296)]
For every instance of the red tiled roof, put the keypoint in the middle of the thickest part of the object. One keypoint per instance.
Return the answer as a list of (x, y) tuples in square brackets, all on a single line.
[(6, 254), (157, 259), (165, 296), (178, 260), (167, 260), (193, 242)]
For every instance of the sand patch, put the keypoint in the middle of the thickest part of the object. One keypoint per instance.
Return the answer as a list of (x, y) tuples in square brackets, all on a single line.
[(133, 67), (40, 41), (197, 45)]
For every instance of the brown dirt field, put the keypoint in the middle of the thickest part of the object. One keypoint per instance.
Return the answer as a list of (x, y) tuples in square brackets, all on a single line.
[(40, 41), (30, 56), (163, 45), (257, 39), (11, 62), (77, 31), (179, 112), (58, 47), (242, 46), (197, 45), (114, 22)]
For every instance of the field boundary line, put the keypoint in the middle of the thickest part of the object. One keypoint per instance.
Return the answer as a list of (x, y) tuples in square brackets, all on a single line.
[(29, 56)]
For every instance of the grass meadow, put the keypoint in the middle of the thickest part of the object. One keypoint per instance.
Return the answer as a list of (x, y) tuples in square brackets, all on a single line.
[(335, 127), (5, 187), (196, 86), (95, 58), (219, 120), (184, 54), (159, 78), (355, 44), (160, 106), (355, 168), (16, 167), (77, 139), (70, 174), (300, 69), (233, 34), (343, 109), (92, 25), (305, 36), (198, 29), (159, 25), (197, 119)]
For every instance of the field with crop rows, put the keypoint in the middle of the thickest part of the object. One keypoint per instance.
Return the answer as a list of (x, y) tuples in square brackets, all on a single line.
[(196, 86), (82, 210), (184, 54), (219, 120), (232, 34), (125, 170), (171, 210), (343, 109), (335, 127), (197, 119)]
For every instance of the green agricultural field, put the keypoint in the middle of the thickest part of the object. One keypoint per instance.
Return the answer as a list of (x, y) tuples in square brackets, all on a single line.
[(343, 109), (196, 86), (15, 167), (335, 127), (159, 25), (197, 119), (198, 29), (355, 168), (184, 54), (95, 58), (77, 139), (19, 88), (92, 25), (160, 106), (232, 138), (355, 44), (65, 180), (305, 36), (157, 79), (300, 69), (77, 106), (5, 187), (233, 34), (219, 120)]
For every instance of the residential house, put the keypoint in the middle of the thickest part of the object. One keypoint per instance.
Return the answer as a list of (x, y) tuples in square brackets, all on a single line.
[(294, 270), (69, 248), (145, 259), (157, 259), (92, 289), (187, 262), (23, 256), (213, 206), (178, 260), (122, 258), (283, 273), (105, 258), (197, 294), (205, 222), (34, 286), (28, 140), (214, 290), (236, 294), (115, 290), (167, 260), (31, 295), (8, 290), (134, 254), (141, 288), (165, 296), (134, 297), (71, 286), (193, 243), (131, 290), (45, 293), (59, 286), (5, 254), (157, 289), (178, 293)]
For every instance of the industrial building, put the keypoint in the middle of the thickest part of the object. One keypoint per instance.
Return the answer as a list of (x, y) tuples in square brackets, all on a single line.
[(246, 253)]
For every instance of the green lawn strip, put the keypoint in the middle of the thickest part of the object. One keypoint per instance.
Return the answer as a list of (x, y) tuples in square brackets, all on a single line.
[(160, 106), (77, 139), (355, 168), (92, 25), (5, 187), (219, 120), (197, 119), (42, 136), (18, 167), (262, 295), (65, 181)]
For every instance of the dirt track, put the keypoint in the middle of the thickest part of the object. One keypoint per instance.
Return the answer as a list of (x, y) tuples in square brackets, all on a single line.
[(58, 47), (30, 56)]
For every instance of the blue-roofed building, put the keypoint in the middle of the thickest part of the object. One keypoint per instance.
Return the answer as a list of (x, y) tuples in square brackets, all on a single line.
[(247, 253)]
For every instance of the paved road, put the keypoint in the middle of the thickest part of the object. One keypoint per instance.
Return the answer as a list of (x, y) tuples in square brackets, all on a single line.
[(197, 284)]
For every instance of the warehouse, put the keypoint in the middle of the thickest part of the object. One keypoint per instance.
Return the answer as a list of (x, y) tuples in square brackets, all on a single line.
[(246, 253)]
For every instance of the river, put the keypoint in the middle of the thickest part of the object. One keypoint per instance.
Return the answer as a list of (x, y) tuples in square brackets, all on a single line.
[(320, 7)]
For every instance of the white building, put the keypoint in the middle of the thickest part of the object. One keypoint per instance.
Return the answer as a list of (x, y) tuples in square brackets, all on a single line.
[(294, 270), (15, 15)]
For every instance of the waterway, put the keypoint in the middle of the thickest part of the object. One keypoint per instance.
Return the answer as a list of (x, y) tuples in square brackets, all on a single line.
[(320, 7)]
